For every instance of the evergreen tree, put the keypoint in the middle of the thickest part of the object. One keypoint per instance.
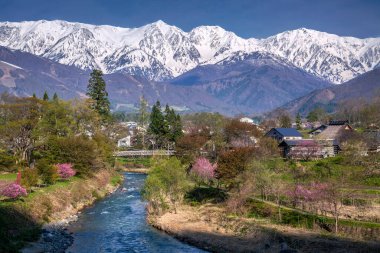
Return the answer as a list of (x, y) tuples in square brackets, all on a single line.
[(174, 124), (298, 121), (158, 125), (55, 97), (34, 95), (96, 90), (45, 96)]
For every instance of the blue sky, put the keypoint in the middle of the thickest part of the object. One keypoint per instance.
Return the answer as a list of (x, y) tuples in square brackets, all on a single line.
[(247, 18)]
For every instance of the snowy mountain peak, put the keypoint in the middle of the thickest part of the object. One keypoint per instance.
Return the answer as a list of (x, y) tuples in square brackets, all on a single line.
[(160, 51)]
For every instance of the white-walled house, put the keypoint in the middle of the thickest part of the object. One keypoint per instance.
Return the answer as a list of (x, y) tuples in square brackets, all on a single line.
[(124, 142)]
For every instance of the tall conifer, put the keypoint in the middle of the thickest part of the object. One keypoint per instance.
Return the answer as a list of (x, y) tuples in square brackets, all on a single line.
[(96, 90)]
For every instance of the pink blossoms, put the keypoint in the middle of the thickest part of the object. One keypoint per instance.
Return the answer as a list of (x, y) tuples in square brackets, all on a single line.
[(65, 170), (204, 169)]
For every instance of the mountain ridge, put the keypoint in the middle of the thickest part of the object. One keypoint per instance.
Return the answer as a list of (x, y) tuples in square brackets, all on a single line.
[(159, 51)]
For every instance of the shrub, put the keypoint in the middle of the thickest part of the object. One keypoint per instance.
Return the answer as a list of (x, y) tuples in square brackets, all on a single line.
[(13, 191), (47, 172), (205, 194), (79, 151), (166, 184), (65, 170), (29, 178), (7, 162), (232, 163)]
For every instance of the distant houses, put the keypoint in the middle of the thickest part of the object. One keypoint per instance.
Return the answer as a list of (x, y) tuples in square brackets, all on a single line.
[(323, 141)]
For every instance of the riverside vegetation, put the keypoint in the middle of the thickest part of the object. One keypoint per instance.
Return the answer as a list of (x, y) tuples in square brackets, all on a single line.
[(55, 158), (220, 192)]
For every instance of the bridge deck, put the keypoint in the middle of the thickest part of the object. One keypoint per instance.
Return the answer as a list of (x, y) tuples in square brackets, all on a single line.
[(144, 153)]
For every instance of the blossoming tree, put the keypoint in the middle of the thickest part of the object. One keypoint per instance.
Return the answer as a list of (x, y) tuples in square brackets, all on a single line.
[(203, 169), (65, 170)]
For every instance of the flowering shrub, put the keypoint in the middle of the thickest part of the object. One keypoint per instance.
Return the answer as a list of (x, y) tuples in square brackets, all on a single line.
[(314, 192), (65, 170), (204, 169), (13, 190)]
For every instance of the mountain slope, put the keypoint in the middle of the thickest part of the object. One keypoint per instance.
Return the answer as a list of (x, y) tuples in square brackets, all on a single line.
[(23, 74), (260, 81), (159, 51), (365, 86)]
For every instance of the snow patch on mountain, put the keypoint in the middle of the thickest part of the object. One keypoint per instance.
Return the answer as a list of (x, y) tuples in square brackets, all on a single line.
[(159, 51), (11, 65)]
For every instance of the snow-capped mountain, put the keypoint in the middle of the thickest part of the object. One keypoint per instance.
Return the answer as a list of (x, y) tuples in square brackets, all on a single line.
[(159, 51)]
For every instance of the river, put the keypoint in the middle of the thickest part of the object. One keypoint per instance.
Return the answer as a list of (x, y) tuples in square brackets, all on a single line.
[(118, 224)]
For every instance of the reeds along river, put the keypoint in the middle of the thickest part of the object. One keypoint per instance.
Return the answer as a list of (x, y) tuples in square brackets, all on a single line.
[(118, 224)]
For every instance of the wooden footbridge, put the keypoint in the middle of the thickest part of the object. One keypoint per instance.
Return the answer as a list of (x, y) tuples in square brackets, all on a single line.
[(137, 153)]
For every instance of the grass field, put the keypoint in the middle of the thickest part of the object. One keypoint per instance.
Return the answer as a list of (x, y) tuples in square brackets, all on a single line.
[(8, 176)]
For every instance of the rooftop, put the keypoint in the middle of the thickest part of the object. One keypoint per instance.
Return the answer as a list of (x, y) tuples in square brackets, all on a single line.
[(288, 132)]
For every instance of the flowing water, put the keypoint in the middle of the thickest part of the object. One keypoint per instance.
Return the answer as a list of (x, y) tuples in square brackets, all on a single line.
[(118, 224)]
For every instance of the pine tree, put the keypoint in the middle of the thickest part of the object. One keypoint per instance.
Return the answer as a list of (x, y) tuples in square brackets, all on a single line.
[(158, 125), (298, 121), (34, 95), (46, 96), (55, 97), (174, 124), (96, 90)]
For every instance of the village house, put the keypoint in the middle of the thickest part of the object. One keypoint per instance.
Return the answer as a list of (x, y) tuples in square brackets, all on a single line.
[(308, 149), (303, 149), (281, 134), (124, 142), (331, 131)]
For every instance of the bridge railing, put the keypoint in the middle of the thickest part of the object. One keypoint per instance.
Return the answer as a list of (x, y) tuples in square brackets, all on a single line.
[(144, 153)]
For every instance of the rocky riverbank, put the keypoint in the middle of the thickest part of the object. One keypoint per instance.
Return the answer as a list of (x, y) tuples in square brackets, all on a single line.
[(209, 228), (55, 237)]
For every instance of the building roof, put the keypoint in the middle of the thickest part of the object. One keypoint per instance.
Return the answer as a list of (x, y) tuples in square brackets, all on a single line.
[(288, 132), (320, 128), (332, 132)]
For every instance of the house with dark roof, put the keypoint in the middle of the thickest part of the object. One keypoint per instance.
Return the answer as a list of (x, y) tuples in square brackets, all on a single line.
[(308, 149), (304, 149), (281, 134)]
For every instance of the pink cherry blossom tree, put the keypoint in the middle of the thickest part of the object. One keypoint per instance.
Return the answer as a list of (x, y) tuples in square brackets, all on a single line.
[(310, 194), (203, 169), (65, 170)]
